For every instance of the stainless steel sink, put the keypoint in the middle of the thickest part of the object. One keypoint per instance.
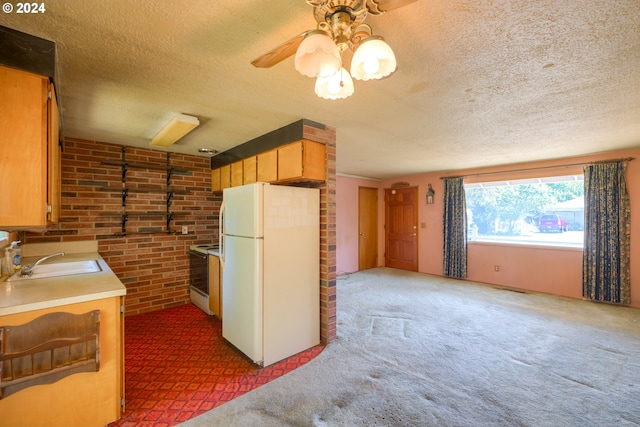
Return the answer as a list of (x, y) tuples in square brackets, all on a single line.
[(58, 269)]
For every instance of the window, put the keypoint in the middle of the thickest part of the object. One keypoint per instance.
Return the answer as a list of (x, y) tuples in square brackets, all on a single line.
[(541, 211)]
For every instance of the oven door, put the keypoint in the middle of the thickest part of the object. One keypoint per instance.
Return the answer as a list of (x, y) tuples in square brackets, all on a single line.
[(199, 273)]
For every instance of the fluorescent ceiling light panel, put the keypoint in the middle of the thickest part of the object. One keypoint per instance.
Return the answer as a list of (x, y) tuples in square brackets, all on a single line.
[(181, 125)]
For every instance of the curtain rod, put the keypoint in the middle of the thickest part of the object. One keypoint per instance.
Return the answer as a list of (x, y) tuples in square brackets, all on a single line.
[(626, 159)]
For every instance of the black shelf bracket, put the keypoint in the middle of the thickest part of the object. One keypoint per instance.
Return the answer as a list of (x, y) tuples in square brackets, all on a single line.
[(170, 195), (169, 169), (125, 194), (124, 165), (125, 218), (169, 219)]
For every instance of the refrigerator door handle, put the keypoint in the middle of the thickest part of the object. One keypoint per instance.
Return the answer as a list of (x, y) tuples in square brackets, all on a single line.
[(221, 232)]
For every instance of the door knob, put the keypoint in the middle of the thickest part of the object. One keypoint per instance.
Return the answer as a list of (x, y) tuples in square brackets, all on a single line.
[(362, 234)]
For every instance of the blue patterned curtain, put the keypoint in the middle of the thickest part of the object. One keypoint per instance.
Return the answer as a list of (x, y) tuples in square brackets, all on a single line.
[(605, 265), (455, 229)]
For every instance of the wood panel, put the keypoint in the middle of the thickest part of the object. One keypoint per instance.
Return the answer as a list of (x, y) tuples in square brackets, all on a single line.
[(23, 155), (82, 400), (225, 177), (216, 184), (301, 160), (215, 288), (250, 170), (236, 173), (54, 158), (268, 166)]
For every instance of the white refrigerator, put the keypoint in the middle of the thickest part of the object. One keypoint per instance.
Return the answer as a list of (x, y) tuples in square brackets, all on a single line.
[(270, 257)]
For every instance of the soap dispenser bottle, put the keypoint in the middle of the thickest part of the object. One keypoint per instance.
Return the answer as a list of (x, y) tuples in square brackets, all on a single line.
[(15, 256)]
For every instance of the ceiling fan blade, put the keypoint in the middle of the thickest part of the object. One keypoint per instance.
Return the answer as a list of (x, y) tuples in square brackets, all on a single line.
[(378, 7), (279, 53)]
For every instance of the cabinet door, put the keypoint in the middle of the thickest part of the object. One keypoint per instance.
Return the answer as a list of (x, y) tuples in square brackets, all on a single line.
[(216, 185), (23, 149), (314, 160), (225, 176), (301, 160), (215, 290), (249, 166), (236, 173), (267, 166), (54, 178)]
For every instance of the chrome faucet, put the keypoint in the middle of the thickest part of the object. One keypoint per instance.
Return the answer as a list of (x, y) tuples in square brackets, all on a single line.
[(27, 270)]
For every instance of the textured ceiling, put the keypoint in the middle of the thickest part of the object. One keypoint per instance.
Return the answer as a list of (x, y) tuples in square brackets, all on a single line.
[(478, 82)]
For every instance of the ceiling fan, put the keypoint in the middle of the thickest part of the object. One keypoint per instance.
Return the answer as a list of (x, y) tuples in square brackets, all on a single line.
[(340, 26)]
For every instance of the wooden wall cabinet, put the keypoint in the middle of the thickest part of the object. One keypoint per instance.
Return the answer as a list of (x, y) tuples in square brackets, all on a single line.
[(301, 160), (225, 177), (216, 185), (268, 166), (236, 174), (250, 170), (29, 152)]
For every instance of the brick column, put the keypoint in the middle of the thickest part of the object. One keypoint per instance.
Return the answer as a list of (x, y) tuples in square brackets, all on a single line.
[(327, 135)]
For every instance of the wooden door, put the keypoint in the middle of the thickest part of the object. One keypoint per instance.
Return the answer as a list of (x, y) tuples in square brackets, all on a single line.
[(401, 229), (367, 228)]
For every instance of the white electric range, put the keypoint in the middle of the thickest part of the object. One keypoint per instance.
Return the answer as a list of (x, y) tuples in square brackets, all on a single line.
[(199, 275)]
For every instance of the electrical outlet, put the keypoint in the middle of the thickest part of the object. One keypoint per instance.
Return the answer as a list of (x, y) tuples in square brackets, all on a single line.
[(185, 229), (496, 267)]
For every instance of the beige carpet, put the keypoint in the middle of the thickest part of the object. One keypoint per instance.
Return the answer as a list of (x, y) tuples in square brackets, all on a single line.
[(420, 350)]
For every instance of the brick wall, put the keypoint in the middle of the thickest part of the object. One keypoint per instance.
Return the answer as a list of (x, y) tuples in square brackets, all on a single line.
[(153, 266)]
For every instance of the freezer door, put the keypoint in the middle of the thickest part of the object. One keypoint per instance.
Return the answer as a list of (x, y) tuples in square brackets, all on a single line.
[(242, 295), (243, 210)]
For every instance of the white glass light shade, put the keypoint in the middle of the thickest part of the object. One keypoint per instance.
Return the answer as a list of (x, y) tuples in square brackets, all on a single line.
[(317, 55), (373, 59), (337, 86)]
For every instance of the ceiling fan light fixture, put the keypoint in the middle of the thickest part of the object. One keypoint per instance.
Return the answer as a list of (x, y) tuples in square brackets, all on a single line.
[(317, 55), (373, 59), (337, 86)]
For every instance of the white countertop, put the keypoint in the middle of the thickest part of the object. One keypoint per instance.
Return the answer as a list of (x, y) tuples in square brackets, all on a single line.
[(35, 294)]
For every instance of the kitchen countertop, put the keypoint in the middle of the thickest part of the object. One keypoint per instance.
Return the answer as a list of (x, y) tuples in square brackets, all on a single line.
[(35, 294), (211, 249)]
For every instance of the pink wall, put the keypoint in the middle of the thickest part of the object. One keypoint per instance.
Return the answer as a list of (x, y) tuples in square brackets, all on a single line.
[(347, 221), (556, 271)]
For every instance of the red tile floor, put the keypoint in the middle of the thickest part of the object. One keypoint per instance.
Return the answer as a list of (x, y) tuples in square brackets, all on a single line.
[(178, 366)]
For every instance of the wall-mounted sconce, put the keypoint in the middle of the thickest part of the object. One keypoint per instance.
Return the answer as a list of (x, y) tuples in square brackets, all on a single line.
[(430, 194)]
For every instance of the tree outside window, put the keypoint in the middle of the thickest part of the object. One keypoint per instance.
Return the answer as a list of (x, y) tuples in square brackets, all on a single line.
[(512, 211)]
